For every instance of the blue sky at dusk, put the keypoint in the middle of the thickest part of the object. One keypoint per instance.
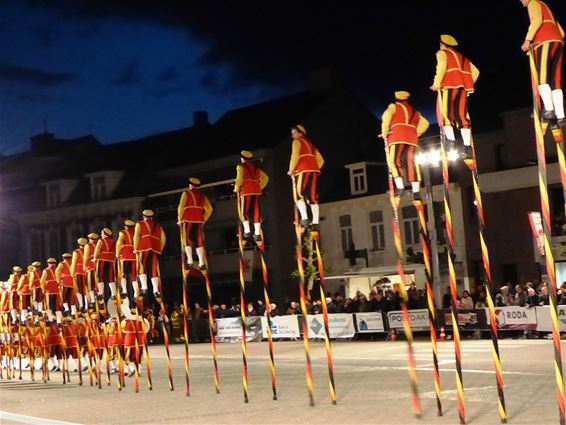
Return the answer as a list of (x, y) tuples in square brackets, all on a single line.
[(124, 69)]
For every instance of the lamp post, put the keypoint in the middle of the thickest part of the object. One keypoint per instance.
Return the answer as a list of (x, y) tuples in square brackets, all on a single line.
[(428, 157)]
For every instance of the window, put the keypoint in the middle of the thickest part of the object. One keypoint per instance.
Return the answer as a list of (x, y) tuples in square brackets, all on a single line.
[(346, 232), (53, 195), (358, 178), (410, 226), (377, 230), (98, 188)]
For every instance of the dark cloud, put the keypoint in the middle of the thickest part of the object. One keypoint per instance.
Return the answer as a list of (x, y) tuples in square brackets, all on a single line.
[(36, 97), (33, 76), (45, 36), (129, 75), (168, 74), (376, 47)]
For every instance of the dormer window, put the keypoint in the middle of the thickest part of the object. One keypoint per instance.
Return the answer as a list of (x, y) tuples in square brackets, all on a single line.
[(358, 178), (53, 195), (97, 188)]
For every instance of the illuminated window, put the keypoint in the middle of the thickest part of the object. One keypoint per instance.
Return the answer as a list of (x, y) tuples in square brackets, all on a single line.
[(346, 232)]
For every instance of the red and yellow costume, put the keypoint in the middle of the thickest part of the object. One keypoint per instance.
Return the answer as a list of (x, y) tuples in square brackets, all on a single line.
[(305, 166), (401, 126), (455, 78), (134, 339), (250, 182), (24, 291), (149, 241), (546, 37), (13, 282), (193, 212), (88, 264), (128, 261), (104, 260), (79, 274), (37, 289), (52, 290), (65, 278)]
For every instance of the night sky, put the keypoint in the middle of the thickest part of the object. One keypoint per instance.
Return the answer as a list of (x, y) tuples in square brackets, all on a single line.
[(127, 69)]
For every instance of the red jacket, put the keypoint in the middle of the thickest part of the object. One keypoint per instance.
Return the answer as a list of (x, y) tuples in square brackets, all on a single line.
[(549, 30), (458, 71), (307, 157), (404, 125)]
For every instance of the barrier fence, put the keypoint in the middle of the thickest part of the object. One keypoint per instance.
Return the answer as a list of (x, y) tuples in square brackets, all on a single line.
[(347, 325)]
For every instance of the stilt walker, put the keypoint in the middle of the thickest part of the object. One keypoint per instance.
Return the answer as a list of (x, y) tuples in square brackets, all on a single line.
[(67, 283), (394, 200), (249, 185), (401, 127), (104, 261), (193, 212), (25, 294), (130, 293), (454, 80), (149, 241), (90, 271), (304, 169), (79, 274), (538, 43), (52, 291), (38, 292)]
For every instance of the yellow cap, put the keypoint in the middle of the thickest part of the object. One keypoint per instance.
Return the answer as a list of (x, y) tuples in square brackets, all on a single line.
[(147, 213), (448, 40), (194, 181), (36, 264), (82, 241), (107, 231), (301, 129), (66, 255), (402, 95), (246, 154), (129, 222), (51, 261), (30, 268), (93, 236), (17, 269)]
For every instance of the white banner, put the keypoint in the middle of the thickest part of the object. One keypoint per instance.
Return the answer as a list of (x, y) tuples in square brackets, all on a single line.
[(370, 322), (419, 319), (229, 327), (515, 318), (340, 326), (282, 327), (545, 322)]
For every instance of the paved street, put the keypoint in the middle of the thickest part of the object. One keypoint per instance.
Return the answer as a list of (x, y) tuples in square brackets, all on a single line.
[(371, 382)]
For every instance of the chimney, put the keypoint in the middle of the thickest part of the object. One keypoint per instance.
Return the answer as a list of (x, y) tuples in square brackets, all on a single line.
[(200, 119)]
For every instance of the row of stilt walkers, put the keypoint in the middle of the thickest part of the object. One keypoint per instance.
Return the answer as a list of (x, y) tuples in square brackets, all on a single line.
[(402, 125), (454, 82)]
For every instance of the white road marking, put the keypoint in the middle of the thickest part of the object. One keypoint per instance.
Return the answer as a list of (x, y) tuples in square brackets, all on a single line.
[(31, 420)]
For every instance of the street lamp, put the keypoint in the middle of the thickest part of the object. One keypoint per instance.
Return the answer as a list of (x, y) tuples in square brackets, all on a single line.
[(430, 156)]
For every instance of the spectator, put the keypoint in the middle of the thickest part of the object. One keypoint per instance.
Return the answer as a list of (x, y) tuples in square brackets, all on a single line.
[(197, 312), (520, 296), (544, 297), (273, 310), (363, 305), (260, 308), (379, 303), (481, 302), (251, 311), (447, 298), (503, 298), (294, 308), (561, 294), (532, 298), (466, 302)]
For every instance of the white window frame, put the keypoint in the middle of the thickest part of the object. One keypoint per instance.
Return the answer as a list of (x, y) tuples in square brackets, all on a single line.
[(346, 234), (53, 193), (379, 228), (98, 189), (358, 178), (413, 224)]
